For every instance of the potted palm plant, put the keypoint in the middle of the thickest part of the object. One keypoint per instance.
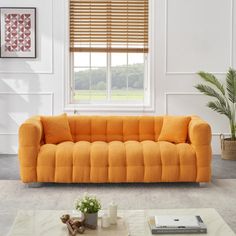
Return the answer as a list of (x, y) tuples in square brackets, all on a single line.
[(225, 104)]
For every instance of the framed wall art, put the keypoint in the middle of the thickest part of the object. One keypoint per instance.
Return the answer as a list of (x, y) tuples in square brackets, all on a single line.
[(18, 32)]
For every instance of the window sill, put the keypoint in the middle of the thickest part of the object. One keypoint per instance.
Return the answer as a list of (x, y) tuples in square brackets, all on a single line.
[(131, 108)]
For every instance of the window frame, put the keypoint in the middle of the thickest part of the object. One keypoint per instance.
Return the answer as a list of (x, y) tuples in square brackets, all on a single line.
[(108, 89), (149, 82)]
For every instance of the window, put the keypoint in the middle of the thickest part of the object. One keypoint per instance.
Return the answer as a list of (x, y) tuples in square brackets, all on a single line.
[(109, 51)]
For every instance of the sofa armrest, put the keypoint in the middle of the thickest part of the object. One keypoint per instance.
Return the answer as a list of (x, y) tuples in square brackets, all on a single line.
[(200, 138), (30, 139), (199, 132)]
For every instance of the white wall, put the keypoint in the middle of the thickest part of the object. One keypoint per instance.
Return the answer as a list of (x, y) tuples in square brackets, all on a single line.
[(33, 86), (193, 35), (190, 35)]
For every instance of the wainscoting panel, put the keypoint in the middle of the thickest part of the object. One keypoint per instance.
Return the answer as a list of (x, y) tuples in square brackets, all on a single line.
[(15, 109), (198, 37), (194, 103)]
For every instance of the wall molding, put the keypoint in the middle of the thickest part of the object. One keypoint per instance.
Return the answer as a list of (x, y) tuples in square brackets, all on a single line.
[(232, 34), (8, 133), (218, 134), (192, 72), (51, 94), (188, 94), (176, 93)]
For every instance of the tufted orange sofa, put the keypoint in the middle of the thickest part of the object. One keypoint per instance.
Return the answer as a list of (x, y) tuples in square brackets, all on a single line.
[(115, 149)]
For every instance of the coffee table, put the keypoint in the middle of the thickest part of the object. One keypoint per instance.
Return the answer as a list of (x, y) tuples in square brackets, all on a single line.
[(47, 223)]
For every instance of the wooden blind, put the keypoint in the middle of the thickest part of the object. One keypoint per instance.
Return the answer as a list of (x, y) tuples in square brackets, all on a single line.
[(109, 26)]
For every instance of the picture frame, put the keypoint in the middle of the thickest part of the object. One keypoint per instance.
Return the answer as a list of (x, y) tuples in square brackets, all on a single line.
[(18, 32)]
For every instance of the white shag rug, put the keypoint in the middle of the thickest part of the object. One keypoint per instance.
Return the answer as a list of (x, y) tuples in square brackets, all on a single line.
[(220, 194)]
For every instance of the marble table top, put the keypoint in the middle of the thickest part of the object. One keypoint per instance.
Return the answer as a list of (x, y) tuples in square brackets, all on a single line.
[(47, 222)]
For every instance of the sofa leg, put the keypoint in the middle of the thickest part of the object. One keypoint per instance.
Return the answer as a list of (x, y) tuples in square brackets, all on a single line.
[(203, 184), (35, 185)]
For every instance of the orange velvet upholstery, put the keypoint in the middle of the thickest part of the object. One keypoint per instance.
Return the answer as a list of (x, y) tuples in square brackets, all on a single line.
[(30, 141), (115, 149), (56, 129), (178, 124)]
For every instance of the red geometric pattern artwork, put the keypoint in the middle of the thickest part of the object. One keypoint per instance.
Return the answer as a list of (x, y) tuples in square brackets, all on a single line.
[(18, 32)]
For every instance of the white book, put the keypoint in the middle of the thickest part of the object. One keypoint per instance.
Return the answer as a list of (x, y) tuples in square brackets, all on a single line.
[(170, 221)]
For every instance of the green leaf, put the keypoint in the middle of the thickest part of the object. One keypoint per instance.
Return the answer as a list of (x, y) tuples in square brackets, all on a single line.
[(207, 90), (210, 78), (216, 106), (225, 103), (231, 85)]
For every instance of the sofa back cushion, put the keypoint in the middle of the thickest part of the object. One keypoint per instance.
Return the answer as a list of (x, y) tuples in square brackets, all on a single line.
[(115, 128)]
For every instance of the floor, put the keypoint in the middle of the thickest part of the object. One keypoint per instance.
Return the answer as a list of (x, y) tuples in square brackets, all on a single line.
[(221, 169), (219, 194)]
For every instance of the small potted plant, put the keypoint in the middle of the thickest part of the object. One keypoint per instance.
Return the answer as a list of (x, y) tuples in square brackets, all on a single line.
[(225, 104), (89, 207)]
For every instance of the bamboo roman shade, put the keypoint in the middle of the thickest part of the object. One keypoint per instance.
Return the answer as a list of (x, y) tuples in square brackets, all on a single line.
[(109, 26)]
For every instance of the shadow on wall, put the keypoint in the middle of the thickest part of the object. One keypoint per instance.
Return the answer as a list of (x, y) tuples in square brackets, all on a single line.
[(17, 100)]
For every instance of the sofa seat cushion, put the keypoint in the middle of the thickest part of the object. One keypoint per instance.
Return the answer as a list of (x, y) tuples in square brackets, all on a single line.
[(130, 161)]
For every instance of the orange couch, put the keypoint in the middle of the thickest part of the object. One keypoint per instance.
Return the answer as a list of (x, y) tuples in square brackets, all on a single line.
[(115, 149)]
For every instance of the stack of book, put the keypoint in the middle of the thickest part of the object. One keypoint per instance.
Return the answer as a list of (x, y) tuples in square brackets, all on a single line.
[(165, 224)]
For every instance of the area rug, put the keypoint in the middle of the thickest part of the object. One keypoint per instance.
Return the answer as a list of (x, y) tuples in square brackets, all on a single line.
[(220, 194)]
